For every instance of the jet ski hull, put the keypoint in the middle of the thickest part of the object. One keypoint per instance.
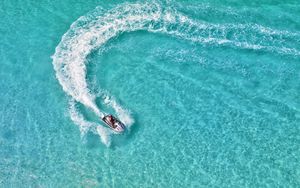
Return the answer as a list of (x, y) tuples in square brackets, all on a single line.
[(114, 123)]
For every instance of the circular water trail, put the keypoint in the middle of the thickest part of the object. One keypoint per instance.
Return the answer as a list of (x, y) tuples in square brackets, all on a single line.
[(92, 31)]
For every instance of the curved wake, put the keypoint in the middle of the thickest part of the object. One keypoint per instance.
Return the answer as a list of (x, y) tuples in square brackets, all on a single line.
[(94, 30)]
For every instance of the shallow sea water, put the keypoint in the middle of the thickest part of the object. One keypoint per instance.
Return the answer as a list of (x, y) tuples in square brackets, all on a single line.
[(211, 89)]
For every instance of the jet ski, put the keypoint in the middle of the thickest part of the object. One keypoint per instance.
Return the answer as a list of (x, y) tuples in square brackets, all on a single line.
[(114, 123)]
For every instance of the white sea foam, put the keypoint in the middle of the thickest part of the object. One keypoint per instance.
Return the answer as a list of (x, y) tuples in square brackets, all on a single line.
[(78, 119), (122, 113), (86, 126), (94, 30)]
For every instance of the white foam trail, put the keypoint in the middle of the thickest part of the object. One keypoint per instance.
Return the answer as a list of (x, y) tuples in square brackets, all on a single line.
[(105, 135), (123, 114), (94, 30), (86, 126), (78, 119)]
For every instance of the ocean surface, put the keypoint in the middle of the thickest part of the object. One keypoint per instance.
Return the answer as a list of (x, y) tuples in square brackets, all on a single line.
[(209, 91)]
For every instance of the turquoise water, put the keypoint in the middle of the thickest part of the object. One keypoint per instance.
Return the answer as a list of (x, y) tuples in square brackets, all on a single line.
[(209, 92)]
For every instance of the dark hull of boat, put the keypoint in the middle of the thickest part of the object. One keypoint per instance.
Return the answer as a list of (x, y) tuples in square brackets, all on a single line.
[(115, 124)]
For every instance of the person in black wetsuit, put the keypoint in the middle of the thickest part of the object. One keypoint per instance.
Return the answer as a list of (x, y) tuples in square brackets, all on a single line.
[(111, 120)]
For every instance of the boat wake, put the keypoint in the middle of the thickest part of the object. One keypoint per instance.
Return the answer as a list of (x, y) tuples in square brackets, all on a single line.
[(92, 31)]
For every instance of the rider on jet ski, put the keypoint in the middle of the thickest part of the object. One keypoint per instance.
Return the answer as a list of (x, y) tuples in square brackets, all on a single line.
[(114, 123), (111, 120)]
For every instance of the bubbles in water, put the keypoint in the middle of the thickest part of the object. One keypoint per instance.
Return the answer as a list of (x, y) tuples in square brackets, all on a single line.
[(95, 29)]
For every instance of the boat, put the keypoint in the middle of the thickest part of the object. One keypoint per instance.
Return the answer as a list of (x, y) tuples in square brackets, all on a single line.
[(114, 123)]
